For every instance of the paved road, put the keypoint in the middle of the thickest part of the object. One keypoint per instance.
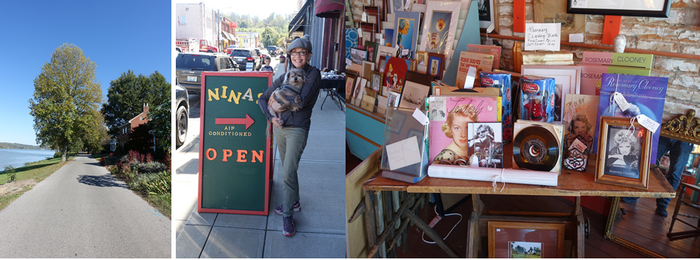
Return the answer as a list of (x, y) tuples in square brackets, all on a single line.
[(81, 211)]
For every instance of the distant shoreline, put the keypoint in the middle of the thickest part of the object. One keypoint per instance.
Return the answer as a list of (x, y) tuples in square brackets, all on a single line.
[(19, 146)]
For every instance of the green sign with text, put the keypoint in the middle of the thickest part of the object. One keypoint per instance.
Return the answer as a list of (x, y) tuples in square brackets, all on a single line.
[(235, 144)]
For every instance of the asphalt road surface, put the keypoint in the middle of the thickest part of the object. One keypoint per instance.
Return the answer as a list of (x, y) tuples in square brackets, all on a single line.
[(81, 211)]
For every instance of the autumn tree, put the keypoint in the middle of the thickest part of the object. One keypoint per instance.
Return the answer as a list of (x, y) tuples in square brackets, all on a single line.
[(127, 95), (67, 98)]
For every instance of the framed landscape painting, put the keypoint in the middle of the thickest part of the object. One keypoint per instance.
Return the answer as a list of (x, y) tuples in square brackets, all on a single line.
[(525, 239)]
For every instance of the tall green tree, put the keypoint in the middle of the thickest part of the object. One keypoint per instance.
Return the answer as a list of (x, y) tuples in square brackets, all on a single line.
[(127, 95), (66, 101)]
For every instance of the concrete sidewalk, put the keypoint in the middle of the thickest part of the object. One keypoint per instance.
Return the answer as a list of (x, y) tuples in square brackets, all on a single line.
[(320, 225)]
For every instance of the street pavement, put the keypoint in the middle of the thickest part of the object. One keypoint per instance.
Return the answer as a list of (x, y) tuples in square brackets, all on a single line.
[(320, 223), (82, 211)]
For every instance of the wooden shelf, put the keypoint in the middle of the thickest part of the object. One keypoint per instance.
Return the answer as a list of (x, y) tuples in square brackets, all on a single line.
[(603, 47)]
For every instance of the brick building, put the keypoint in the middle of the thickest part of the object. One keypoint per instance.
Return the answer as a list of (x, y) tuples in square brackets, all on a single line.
[(127, 128)]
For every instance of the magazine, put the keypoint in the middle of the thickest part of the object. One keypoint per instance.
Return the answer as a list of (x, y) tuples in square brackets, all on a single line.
[(646, 95)]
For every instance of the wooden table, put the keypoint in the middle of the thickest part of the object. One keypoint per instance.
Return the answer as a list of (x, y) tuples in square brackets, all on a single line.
[(571, 183)]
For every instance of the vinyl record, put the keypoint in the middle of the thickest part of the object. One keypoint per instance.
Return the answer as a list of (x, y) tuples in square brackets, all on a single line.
[(535, 148)]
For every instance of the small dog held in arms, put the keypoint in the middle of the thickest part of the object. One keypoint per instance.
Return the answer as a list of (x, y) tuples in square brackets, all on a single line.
[(287, 97)]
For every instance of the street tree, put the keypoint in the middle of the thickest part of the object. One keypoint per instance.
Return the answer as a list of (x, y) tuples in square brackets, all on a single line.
[(127, 95), (66, 101)]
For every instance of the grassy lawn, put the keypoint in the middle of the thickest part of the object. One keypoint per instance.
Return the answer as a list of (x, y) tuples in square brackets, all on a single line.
[(36, 171)]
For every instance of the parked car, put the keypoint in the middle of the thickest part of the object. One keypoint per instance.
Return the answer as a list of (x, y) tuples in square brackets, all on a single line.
[(189, 67), (272, 50), (230, 48), (247, 58), (183, 107), (264, 54)]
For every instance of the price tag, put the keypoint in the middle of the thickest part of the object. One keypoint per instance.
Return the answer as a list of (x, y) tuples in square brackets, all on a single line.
[(621, 101), (359, 31), (471, 76), (422, 118), (364, 17), (404, 52), (648, 123)]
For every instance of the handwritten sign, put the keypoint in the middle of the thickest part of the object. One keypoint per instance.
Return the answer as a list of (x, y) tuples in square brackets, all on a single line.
[(542, 36)]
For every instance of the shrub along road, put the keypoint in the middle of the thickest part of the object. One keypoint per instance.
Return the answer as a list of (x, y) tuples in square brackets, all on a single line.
[(82, 211)]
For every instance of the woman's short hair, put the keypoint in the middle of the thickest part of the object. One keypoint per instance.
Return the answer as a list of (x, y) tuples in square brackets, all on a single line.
[(465, 110), (626, 136), (583, 118)]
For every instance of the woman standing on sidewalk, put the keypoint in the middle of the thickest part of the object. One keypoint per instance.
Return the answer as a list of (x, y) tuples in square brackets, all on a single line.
[(291, 139)]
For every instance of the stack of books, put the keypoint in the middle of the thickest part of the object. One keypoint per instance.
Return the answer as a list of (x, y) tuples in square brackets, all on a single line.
[(548, 58)]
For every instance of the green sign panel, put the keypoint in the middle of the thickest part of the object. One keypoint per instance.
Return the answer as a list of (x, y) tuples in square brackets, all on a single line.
[(235, 144)]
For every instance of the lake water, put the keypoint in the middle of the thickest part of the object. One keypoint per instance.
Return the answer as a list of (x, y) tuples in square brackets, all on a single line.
[(18, 157)]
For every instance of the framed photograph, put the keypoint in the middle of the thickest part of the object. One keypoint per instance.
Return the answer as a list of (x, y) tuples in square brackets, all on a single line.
[(393, 99), (485, 146), (406, 33), (388, 35), (436, 64), (357, 55), (385, 51), (488, 14), (526, 239), (349, 84), (376, 82), (367, 68), (414, 95), (382, 64), (651, 8), (567, 80), (623, 153), (555, 12), (371, 48), (440, 26)]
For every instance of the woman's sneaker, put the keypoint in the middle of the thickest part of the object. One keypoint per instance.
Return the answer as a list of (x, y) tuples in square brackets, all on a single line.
[(288, 226), (279, 209)]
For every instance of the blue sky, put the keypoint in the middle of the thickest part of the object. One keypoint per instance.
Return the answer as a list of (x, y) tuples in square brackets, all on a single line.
[(116, 35)]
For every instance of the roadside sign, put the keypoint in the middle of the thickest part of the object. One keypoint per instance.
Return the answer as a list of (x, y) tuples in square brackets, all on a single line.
[(235, 157)]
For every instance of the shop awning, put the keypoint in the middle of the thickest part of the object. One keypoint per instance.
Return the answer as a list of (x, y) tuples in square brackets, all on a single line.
[(300, 20), (329, 8)]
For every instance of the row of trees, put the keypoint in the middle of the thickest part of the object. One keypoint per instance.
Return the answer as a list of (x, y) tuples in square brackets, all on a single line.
[(67, 100), (272, 29)]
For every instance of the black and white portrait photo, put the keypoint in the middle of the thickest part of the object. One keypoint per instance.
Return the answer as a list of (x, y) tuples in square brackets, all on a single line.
[(623, 152), (485, 145)]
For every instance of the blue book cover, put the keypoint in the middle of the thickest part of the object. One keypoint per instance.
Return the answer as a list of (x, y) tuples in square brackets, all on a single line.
[(646, 95)]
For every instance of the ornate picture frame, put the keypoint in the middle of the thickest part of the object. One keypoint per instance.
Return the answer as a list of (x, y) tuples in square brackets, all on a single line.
[(436, 64), (507, 239), (623, 150), (658, 8)]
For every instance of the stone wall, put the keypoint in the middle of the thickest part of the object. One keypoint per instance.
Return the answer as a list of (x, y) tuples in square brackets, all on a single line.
[(680, 33)]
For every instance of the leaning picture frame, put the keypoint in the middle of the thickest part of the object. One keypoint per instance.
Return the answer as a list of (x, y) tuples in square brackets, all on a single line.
[(439, 27), (406, 27), (488, 14), (525, 239), (436, 63), (653, 8), (567, 80), (349, 84), (623, 150)]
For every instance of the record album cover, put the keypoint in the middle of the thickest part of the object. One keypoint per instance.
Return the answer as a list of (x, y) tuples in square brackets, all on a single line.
[(579, 123), (646, 95), (449, 117)]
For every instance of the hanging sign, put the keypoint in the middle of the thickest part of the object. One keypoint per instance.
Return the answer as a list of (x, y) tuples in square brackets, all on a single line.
[(542, 36), (235, 144)]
